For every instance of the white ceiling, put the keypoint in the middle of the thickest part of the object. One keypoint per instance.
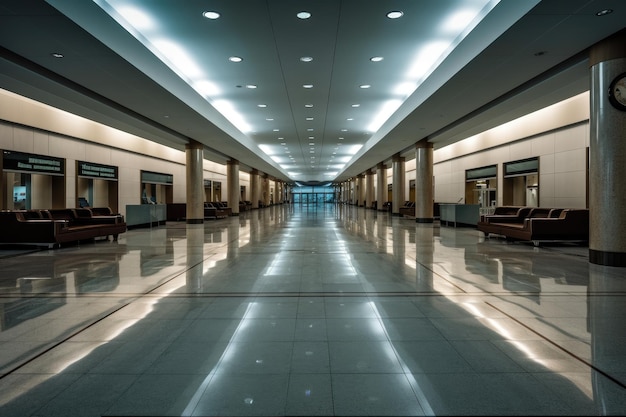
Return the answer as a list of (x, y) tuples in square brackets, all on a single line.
[(518, 57)]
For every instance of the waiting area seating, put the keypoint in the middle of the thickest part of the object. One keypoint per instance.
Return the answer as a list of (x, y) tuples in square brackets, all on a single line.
[(215, 210), (407, 209), (53, 227), (537, 224)]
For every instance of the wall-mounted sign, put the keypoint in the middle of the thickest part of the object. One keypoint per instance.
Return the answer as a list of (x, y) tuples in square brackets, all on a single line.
[(483, 173), (26, 162), (91, 170), (521, 167), (156, 178)]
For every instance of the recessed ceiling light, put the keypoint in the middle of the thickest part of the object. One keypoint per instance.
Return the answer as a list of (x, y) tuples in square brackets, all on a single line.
[(340, 138), (395, 14), (269, 119), (365, 86), (349, 118), (604, 12), (306, 58), (211, 15), (303, 15), (307, 85), (251, 86), (57, 55), (309, 129), (309, 118), (311, 143), (311, 137), (376, 58), (356, 105), (308, 105), (235, 59), (261, 105), (276, 130)]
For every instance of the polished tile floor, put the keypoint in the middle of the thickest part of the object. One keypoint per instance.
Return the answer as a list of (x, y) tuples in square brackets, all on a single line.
[(313, 310)]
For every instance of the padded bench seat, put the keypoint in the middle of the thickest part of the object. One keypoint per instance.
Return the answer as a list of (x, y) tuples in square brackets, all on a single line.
[(56, 226)]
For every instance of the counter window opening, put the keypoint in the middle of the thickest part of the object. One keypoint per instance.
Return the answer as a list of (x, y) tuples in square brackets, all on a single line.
[(32, 181), (96, 185), (156, 188), (520, 186), (481, 187)]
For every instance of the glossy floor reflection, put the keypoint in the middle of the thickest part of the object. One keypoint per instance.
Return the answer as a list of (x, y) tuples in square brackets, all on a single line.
[(318, 310)]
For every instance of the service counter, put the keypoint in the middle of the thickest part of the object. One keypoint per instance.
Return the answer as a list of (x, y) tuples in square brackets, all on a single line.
[(145, 215), (459, 214)]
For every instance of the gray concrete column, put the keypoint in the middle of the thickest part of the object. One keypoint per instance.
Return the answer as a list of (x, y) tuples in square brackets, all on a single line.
[(369, 188), (607, 153), (234, 191), (381, 185), (254, 191), (424, 195), (194, 156), (397, 184)]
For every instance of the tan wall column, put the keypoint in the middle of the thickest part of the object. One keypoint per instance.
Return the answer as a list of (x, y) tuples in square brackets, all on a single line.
[(266, 190), (381, 185), (254, 185), (398, 184), (607, 153), (360, 194), (232, 177), (424, 199), (194, 157), (369, 189)]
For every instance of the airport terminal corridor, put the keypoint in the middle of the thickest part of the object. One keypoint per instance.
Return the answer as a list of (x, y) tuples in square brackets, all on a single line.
[(310, 309)]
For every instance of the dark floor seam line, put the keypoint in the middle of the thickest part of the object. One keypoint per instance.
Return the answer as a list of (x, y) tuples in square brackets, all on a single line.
[(578, 358), (62, 341), (442, 277)]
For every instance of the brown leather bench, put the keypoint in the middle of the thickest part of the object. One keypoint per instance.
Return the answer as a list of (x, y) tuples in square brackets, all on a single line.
[(539, 225), (52, 228)]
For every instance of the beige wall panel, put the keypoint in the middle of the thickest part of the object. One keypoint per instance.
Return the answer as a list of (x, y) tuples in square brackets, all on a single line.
[(70, 181), (569, 202), (23, 139), (41, 144), (571, 138), (570, 184), (546, 164), (567, 112), (98, 154), (569, 161), (546, 188), (66, 148), (543, 145), (6, 136), (125, 159), (521, 150)]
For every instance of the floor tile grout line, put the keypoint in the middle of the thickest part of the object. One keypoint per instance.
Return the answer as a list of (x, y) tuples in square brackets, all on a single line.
[(561, 348)]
